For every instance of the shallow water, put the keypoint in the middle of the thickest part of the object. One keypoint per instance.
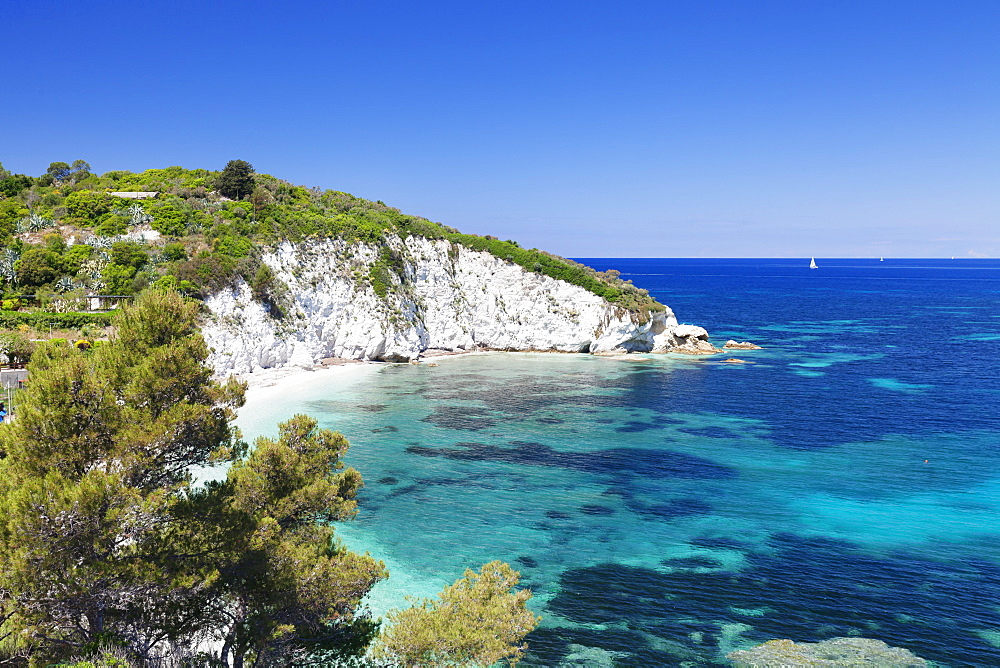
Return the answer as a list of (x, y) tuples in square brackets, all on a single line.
[(667, 509)]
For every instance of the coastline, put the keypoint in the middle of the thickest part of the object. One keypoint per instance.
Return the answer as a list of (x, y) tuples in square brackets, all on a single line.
[(270, 383), (267, 382), (267, 392)]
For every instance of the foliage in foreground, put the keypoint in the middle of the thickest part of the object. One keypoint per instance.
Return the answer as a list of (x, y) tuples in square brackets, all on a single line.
[(105, 542), (477, 621)]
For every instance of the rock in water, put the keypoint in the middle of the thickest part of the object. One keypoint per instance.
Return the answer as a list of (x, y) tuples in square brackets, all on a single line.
[(839, 652), (741, 345), (689, 339)]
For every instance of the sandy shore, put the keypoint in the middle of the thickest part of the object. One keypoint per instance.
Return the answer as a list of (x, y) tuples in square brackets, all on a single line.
[(275, 382), (270, 384)]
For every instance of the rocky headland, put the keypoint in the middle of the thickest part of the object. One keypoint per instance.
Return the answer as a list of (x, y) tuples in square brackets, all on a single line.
[(442, 297)]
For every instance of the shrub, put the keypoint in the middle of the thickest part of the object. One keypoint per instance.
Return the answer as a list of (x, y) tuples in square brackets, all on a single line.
[(87, 205), (45, 319)]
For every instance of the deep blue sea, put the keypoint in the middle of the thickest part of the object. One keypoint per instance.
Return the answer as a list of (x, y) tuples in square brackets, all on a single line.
[(667, 509)]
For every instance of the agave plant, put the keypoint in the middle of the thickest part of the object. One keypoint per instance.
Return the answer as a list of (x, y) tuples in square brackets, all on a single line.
[(7, 272), (138, 215), (34, 222), (98, 242), (65, 284)]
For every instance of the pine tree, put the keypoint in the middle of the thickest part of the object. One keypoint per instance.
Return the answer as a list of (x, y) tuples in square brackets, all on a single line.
[(99, 454), (287, 588), (477, 621), (103, 539), (236, 180)]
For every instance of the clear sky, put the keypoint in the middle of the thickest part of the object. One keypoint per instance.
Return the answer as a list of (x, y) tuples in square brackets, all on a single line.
[(719, 128)]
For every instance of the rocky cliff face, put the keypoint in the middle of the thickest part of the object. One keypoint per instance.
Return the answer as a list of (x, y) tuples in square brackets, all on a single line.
[(442, 297)]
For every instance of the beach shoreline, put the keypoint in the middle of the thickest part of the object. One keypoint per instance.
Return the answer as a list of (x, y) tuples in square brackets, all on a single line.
[(270, 382)]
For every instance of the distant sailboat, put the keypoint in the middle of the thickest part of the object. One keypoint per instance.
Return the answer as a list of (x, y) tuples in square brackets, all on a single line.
[(812, 263), (881, 259)]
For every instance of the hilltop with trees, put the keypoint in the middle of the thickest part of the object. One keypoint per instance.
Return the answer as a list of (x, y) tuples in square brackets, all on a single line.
[(69, 232)]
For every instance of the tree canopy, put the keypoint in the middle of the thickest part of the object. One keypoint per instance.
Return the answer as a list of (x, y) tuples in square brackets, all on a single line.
[(104, 539), (236, 180), (477, 621)]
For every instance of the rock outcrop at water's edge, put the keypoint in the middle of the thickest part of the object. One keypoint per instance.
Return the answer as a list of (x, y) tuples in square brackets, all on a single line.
[(741, 345), (441, 296)]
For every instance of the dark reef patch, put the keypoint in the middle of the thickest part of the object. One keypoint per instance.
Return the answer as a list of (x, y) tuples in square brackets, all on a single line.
[(809, 589), (408, 489), (557, 515), (718, 543), (613, 461), (466, 418), (594, 509), (527, 562), (373, 408), (388, 480), (484, 481), (672, 509), (548, 646), (518, 396), (709, 432), (549, 420), (635, 427), (388, 429)]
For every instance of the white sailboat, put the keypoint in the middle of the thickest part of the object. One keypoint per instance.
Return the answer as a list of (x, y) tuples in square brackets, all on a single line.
[(812, 263), (881, 259)]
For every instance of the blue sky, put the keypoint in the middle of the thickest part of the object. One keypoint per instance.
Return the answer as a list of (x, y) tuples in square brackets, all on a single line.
[(634, 129)]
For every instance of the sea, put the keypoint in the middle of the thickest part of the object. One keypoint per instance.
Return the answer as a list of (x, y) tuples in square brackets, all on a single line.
[(668, 509)]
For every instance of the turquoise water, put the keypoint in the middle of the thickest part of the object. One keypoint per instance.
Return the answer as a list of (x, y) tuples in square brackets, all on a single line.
[(667, 509)]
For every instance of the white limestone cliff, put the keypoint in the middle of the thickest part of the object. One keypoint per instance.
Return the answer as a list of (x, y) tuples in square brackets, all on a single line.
[(450, 298)]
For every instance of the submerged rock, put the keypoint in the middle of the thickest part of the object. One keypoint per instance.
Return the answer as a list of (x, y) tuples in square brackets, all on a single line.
[(581, 656), (836, 652), (741, 345)]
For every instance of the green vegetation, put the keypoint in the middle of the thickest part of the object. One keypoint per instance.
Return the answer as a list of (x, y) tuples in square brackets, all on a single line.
[(236, 179), (110, 555), (214, 225), (477, 621), (105, 542), (39, 320)]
